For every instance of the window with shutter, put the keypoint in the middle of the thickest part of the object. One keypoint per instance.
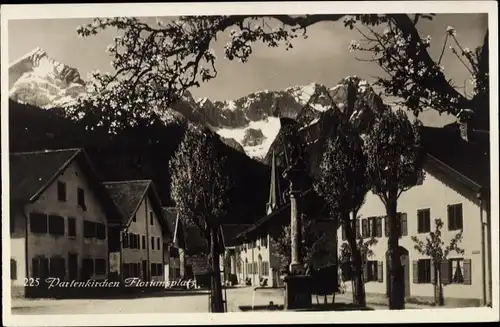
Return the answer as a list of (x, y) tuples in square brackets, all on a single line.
[(386, 224), (153, 269), (456, 268), (81, 198), (403, 223), (467, 271), (13, 269), (125, 240), (343, 233), (415, 271), (379, 227), (424, 271), (38, 223), (433, 273), (365, 273), (455, 217), (423, 220), (444, 271), (364, 228), (61, 191), (100, 266), (71, 227), (56, 225), (152, 243), (380, 271), (358, 231)]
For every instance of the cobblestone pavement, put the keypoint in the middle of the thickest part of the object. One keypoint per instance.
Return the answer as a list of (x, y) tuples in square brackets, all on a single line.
[(164, 303)]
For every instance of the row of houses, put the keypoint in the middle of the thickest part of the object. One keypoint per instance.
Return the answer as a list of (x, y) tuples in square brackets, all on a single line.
[(66, 223), (455, 189)]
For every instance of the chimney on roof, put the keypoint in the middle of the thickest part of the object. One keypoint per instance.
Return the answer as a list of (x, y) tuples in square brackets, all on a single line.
[(465, 124)]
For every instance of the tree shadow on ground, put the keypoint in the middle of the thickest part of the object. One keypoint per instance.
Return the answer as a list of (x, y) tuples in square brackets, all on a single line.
[(314, 307)]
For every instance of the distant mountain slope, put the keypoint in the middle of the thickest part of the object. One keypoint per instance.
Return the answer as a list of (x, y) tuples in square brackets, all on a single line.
[(248, 124), (137, 153)]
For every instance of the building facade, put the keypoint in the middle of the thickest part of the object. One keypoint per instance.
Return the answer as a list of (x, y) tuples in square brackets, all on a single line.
[(141, 247), (451, 197), (59, 220)]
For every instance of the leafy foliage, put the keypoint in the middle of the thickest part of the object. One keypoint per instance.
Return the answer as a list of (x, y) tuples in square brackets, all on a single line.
[(411, 74), (155, 64), (316, 243), (434, 247), (365, 248), (199, 186), (343, 182), (394, 154)]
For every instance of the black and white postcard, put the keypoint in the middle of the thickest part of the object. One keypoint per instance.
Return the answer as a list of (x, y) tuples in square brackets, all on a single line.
[(224, 163)]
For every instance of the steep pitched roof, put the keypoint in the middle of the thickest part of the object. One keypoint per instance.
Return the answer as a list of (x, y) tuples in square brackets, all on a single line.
[(311, 203), (175, 225), (468, 161), (31, 173), (230, 231), (128, 196)]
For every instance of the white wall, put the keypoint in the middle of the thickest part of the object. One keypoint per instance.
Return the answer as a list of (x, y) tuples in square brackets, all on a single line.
[(437, 196)]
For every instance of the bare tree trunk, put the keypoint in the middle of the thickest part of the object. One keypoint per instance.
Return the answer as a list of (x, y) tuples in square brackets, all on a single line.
[(217, 305), (440, 289), (396, 282)]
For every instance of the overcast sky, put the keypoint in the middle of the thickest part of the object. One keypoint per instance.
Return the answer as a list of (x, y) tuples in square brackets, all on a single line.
[(323, 57)]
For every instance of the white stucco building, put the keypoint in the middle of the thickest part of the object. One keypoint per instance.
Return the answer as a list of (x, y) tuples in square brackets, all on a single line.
[(59, 218)]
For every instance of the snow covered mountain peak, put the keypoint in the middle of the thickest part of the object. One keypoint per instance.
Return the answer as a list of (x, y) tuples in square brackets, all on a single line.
[(40, 80)]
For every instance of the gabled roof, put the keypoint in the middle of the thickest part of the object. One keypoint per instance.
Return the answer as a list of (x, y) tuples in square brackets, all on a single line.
[(230, 231), (469, 160), (128, 196), (311, 203), (31, 173), (175, 224)]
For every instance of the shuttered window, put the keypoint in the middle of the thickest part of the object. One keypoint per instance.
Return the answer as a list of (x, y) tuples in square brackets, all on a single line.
[(13, 269), (358, 229), (125, 240), (380, 272), (56, 225), (38, 223), (455, 217), (364, 228), (424, 220), (371, 271), (61, 191), (403, 224), (422, 271), (71, 227), (459, 271), (378, 227), (386, 224), (100, 231), (100, 266), (344, 236)]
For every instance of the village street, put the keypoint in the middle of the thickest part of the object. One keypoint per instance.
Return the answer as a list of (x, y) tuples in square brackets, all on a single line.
[(161, 303)]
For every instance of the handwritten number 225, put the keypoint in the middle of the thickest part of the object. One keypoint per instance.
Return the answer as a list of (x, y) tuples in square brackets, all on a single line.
[(31, 282)]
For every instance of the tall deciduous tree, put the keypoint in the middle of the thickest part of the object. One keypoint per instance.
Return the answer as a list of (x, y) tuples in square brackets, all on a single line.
[(343, 184), (155, 63), (366, 252), (394, 164), (434, 248), (200, 191)]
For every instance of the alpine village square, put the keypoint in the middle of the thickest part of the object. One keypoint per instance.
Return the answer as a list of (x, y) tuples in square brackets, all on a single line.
[(315, 194)]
